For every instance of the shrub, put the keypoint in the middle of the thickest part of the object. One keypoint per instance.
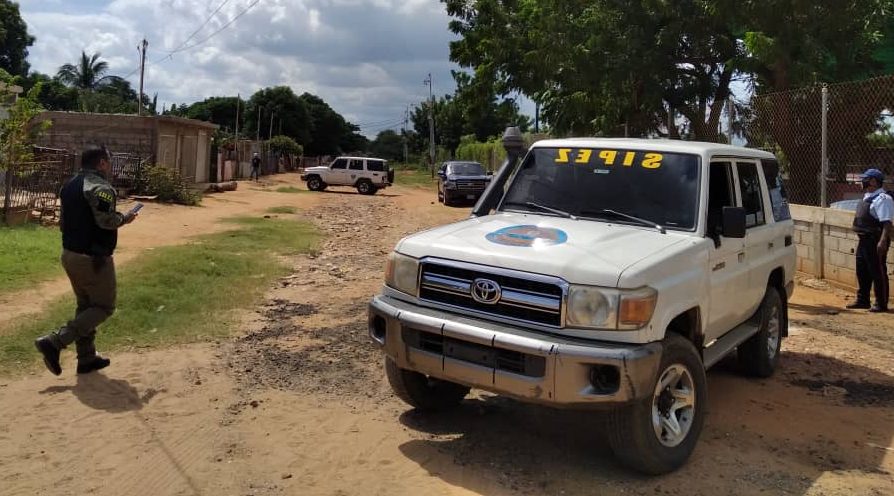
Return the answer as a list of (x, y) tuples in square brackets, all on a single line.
[(170, 187)]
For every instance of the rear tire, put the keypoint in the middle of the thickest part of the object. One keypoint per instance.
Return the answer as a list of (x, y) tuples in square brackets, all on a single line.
[(422, 392), (314, 183), (657, 434), (364, 187), (759, 356)]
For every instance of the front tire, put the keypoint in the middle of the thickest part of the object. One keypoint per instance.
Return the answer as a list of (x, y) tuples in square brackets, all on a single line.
[(422, 392), (759, 356), (314, 183), (448, 201), (657, 434)]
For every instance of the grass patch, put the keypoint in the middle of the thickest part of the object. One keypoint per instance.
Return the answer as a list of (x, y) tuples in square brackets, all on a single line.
[(289, 189), (178, 294), (28, 254), (282, 210), (417, 178)]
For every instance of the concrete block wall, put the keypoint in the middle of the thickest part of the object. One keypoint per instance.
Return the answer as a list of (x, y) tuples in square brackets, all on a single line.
[(826, 245), (120, 133)]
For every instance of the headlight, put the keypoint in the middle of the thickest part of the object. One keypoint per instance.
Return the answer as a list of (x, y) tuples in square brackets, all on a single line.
[(601, 308), (402, 273), (451, 184)]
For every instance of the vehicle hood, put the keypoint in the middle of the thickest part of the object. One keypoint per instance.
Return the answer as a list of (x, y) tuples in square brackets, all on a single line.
[(319, 168), (578, 251)]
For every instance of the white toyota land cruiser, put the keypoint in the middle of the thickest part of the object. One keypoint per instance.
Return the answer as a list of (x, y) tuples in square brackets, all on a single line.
[(598, 273), (366, 174)]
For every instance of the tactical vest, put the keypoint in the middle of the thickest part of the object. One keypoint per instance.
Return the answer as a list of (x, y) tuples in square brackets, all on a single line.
[(80, 232), (864, 223)]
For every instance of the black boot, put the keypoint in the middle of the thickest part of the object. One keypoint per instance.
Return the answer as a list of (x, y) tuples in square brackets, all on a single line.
[(50, 354), (98, 363), (859, 305)]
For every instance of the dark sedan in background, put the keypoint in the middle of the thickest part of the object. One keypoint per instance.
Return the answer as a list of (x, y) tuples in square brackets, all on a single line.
[(461, 182)]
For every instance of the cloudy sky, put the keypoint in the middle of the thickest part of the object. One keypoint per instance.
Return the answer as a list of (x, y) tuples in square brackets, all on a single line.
[(366, 58)]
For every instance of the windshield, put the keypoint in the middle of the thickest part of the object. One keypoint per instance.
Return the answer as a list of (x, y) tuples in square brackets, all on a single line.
[(470, 169), (584, 182)]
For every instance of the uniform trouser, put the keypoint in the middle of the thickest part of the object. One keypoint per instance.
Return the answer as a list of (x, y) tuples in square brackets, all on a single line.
[(872, 271), (255, 173), (94, 285)]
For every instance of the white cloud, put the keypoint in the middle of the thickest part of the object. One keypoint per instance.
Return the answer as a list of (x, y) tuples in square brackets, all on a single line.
[(366, 58)]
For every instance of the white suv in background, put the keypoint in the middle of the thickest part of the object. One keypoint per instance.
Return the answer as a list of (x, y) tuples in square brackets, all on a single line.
[(366, 174)]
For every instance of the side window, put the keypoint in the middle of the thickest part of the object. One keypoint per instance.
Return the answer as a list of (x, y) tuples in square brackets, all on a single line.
[(375, 165), (341, 163), (356, 164), (778, 196), (752, 198), (720, 194)]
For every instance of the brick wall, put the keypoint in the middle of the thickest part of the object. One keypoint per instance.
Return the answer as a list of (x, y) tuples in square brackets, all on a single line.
[(826, 244)]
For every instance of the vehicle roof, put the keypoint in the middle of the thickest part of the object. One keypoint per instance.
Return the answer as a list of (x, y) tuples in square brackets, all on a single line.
[(359, 158), (679, 146), (454, 162)]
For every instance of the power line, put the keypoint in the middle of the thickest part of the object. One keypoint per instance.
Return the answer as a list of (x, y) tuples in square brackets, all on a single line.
[(212, 35), (205, 23)]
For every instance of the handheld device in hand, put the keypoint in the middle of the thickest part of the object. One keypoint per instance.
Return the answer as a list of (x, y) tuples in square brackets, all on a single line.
[(136, 208)]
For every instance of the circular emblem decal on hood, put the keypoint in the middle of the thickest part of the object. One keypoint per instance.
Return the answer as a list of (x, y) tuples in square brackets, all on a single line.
[(527, 236)]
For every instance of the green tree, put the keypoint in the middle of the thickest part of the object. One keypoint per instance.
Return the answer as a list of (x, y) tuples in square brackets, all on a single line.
[(89, 73), (16, 132), (54, 95), (328, 127), (220, 110), (286, 109), (388, 145), (14, 39), (284, 144)]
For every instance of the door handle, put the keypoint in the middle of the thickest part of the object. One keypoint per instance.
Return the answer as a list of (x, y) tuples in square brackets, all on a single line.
[(741, 257), (770, 245), (719, 266)]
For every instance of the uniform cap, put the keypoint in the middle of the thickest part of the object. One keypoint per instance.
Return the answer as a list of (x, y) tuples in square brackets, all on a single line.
[(872, 173)]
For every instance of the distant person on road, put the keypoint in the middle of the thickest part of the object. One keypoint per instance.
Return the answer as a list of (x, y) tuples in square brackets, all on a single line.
[(256, 167), (872, 223), (89, 223)]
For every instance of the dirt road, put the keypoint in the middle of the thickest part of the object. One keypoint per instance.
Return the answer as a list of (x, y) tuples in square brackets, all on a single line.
[(297, 404)]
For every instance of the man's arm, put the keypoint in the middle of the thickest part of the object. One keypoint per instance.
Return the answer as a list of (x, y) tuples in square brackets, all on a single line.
[(102, 200), (885, 212)]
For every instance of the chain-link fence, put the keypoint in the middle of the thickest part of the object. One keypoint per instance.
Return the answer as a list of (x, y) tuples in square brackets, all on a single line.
[(825, 136)]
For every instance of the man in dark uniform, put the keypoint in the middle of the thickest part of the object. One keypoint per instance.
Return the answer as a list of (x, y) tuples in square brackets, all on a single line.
[(255, 168), (89, 224), (872, 223)]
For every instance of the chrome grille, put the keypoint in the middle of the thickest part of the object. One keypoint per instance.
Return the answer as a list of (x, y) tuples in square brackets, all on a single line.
[(524, 297), (470, 184)]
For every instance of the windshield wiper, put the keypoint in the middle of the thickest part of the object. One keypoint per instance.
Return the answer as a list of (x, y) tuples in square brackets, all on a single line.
[(635, 219), (551, 210), (544, 208)]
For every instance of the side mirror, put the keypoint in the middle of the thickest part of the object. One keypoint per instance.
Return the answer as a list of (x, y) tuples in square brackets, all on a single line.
[(733, 225)]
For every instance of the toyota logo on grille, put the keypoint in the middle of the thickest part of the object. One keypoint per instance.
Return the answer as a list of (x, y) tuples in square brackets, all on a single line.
[(485, 291)]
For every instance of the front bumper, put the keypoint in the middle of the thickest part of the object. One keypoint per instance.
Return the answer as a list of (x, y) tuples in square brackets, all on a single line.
[(511, 361)]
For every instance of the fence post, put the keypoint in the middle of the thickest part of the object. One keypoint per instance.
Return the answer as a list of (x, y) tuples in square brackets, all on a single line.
[(824, 157), (7, 198)]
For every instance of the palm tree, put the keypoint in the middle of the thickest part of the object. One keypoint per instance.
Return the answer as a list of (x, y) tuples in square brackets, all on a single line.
[(88, 74)]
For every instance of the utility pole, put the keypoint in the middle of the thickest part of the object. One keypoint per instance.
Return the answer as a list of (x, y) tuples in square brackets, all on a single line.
[(270, 132), (142, 48), (258, 137), (406, 127), (236, 140), (730, 115), (431, 125)]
